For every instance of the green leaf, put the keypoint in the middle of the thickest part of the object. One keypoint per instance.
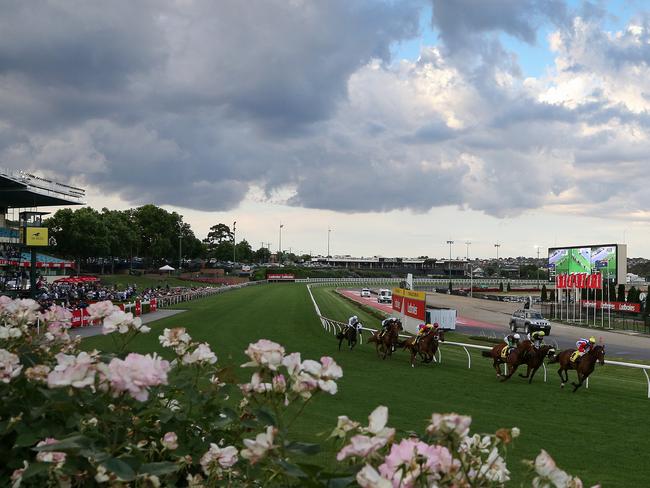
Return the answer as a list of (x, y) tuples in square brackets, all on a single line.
[(74, 442), (35, 468), (265, 416), (27, 439), (340, 482), (291, 469), (303, 448), (120, 468), (161, 468)]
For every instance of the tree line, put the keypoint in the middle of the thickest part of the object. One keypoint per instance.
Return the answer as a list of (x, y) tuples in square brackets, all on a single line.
[(148, 232)]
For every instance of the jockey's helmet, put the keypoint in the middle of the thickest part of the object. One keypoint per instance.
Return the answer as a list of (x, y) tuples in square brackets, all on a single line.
[(436, 325), (592, 339), (517, 336), (541, 333)]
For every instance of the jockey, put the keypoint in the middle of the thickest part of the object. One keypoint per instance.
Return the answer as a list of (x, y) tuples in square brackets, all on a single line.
[(512, 341), (353, 322), (584, 346), (537, 338), (423, 329), (386, 323)]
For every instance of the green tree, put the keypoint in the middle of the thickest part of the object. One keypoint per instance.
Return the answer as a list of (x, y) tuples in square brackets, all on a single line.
[(621, 293), (509, 288), (262, 255), (501, 286), (244, 252), (123, 237), (544, 295), (552, 296), (80, 234)]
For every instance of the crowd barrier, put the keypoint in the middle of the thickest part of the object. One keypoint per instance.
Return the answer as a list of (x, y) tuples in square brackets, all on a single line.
[(333, 326), (81, 317)]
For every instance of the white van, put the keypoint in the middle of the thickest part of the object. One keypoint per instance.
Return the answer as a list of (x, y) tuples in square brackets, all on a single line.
[(365, 292), (385, 296)]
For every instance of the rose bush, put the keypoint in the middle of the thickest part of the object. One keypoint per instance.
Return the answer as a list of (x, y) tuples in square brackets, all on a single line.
[(76, 418)]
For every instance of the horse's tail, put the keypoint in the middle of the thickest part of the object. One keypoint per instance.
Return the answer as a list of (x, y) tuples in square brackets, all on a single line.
[(487, 354)]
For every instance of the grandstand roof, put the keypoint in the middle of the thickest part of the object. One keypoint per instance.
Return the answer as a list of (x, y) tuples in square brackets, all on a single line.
[(23, 190)]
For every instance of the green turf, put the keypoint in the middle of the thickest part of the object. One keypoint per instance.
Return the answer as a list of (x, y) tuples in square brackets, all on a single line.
[(598, 434), (147, 281)]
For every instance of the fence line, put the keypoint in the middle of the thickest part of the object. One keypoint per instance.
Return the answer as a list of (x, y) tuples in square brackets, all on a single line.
[(329, 325), (421, 281)]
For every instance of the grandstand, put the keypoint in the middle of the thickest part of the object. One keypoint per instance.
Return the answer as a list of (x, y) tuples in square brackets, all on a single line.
[(22, 194)]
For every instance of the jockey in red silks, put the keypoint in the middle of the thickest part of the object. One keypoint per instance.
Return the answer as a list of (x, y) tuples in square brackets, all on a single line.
[(584, 346)]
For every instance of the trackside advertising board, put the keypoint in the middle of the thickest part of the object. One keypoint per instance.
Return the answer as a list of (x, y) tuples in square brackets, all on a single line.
[(413, 303), (280, 277)]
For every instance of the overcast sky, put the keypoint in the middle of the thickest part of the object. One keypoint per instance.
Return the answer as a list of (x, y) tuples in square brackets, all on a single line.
[(399, 124)]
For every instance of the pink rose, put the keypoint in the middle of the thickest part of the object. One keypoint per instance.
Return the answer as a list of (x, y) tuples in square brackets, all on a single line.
[(136, 373)]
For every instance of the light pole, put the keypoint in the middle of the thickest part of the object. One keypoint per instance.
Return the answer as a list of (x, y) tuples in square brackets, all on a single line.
[(180, 249), (234, 242), (537, 247), (467, 243), (497, 245), (280, 243), (450, 244), (328, 242)]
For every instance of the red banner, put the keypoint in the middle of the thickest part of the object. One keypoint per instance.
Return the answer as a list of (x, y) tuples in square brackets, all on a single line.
[(280, 277), (397, 303), (138, 308), (593, 281), (414, 308), (616, 306), (153, 305)]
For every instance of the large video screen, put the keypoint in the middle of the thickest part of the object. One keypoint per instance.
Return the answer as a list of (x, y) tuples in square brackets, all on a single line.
[(590, 259)]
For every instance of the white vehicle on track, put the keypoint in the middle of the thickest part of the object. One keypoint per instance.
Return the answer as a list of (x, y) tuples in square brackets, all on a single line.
[(385, 296), (365, 292)]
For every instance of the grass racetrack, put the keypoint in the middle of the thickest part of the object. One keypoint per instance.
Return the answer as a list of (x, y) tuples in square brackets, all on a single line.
[(599, 434)]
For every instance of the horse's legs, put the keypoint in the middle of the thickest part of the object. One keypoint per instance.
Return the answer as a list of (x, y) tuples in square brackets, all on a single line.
[(532, 374), (581, 379), (413, 353), (497, 368), (562, 380), (340, 342), (527, 372), (510, 370)]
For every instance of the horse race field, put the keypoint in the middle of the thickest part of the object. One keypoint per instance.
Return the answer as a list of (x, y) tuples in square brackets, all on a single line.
[(600, 434)]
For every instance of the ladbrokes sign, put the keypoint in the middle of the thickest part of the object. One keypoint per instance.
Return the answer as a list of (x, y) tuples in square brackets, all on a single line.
[(410, 303)]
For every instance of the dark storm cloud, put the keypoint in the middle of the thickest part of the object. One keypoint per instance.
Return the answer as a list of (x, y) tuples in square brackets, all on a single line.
[(193, 103)]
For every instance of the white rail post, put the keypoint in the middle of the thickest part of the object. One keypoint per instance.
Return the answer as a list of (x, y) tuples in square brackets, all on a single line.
[(469, 358), (544, 366), (645, 372)]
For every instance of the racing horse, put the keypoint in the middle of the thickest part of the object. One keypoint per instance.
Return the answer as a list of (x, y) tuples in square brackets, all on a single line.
[(426, 347), (584, 365), (499, 357), (532, 358), (385, 341), (349, 333)]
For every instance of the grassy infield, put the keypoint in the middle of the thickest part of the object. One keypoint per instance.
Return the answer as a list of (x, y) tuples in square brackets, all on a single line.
[(599, 434)]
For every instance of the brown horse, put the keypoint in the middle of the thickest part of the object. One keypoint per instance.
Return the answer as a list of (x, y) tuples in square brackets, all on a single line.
[(584, 366), (533, 359), (512, 361), (385, 341), (426, 347)]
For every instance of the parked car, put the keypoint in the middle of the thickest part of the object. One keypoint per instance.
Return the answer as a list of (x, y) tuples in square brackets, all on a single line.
[(365, 292), (529, 321), (385, 296)]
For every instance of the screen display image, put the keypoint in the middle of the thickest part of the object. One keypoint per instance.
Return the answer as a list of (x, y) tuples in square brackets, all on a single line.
[(603, 259), (583, 259)]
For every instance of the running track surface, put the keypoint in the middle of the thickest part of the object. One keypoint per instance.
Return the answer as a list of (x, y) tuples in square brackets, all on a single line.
[(372, 302)]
